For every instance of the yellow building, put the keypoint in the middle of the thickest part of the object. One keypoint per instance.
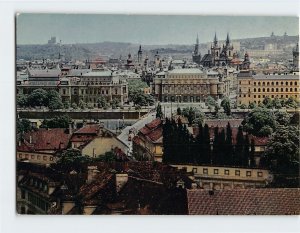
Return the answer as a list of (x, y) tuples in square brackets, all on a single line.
[(254, 88), (216, 178)]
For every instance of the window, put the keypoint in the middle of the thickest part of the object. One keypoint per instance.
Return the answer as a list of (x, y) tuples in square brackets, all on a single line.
[(194, 170), (286, 83), (254, 96), (244, 95), (272, 83), (291, 89), (258, 96), (205, 171), (254, 89), (259, 174), (116, 91), (254, 83), (295, 89), (263, 89), (237, 172), (45, 158), (32, 156), (226, 172), (268, 90), (216, 171), (20, 156), (276, 89), (272, 96), (258, 89), (291, 83), (263, 83), (248, 173), (281, 83), (268, 83), (286, 89), (296, 83)]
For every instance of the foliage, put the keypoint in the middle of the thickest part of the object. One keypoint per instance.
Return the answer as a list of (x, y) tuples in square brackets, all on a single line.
[(267, 102), (73, 159), (22, 100), (282, 118), (282, 156), (259, 122), (23, 125), (66, 104), (252, 105), (74, 106), (82, 104), (57, 122), (115, 103), (226, 106), (210, 101), (107, 157), (101, 101), (243, 106), (38, 97), (159, 113), (179, 112)]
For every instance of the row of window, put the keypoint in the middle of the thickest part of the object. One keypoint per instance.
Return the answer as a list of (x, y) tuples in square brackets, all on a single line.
[(272, 96), (276, 83), (37, 157), (275, 89), (227, 172)]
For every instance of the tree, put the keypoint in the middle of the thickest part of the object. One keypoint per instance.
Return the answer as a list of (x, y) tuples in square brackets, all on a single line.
[(23, 125), (82, 104), (260, 122), (276, 103), (66, 104), (252, 105), (267, 102), (217, 108), (57, 122), (206, 145), (246, 156), (226, 106), (239, 147), (101, 101), (159, 113), (22, 100), (55, 103), (72, 159), (115, 103), (74, 106), (179, 112), (291, 102), (38, 97), (210, 101), (243, 106), (228, 145), (252, 153), (282, 156), (282, 118)]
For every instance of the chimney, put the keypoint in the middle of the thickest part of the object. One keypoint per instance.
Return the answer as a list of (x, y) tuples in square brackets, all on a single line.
[(121, 180), (30, 139), (92, 173)]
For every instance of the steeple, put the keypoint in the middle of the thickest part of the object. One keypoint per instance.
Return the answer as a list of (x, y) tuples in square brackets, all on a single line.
[(196, 51), (227, 40), (140, 53), (197, 40), (215, 40)]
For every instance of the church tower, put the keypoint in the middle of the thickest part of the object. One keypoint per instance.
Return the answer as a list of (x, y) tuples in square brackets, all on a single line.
[(197, 54), (215, 51), (140, 55)]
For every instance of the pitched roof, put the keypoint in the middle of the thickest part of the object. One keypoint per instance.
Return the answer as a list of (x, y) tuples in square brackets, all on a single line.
[(265, 201), (223, 122), (43, 139), (89, 129)]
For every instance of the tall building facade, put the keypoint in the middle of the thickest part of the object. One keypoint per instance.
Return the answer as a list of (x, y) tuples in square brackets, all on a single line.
[(189, 85)]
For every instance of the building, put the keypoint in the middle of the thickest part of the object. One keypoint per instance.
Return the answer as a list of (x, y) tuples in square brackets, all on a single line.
[(254, 88), (296, 58), (148, 142), (189, 85), (73, 86), (263, 201), (219, 178), (197, 55), (218, 56)]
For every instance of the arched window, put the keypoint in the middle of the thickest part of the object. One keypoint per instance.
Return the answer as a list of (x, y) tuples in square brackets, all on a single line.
[(281, 83), (263, 83), (286, 89), (281, 89), (268, 90), (291, 83), (255, 84), (286, 83), (263, 89), (295, 88), (272, 89), (276, 83), (258, 89), (296, 83), (268, 83), (272, 83), (276, 89), (254, 89), (291, 89)]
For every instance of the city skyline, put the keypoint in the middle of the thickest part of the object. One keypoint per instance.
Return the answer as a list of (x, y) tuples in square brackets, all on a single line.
[(146, 29)]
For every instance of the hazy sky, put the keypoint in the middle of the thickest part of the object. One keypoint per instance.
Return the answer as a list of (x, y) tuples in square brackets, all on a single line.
[(77, 28)]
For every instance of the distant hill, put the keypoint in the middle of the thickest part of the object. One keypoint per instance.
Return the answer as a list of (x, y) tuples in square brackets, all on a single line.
[(117, 49)]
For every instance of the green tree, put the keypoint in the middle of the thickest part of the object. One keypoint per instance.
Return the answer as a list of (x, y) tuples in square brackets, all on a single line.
[(282, 118), (57, 122), (38, 97), (267, 102), (23, 125), (243, 106), (66, 104), (22, 100), (179, 112), (210, 101), (115, 103), (55, 103), (74, 106), (239, 147), (276, 103), (259, 122), (217, 108), (228, 146), (252, 105), (101, 101), (159, 113), (282, 155), (82, 104), (72, 159), (226, 106)]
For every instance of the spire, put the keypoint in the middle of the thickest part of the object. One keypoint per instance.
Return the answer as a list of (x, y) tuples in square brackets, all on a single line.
[(215, 39), (140, 48), (227, 40), (197, 40)]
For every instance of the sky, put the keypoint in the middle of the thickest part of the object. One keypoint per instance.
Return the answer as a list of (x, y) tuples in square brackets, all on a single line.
[(147, 29)]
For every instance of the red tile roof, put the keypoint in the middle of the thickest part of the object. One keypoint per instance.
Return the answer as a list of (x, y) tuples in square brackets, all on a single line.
[(263, 201), (43, 139), (259, 141), (89, 129), (223, 122), (152, 130), (156, 135)]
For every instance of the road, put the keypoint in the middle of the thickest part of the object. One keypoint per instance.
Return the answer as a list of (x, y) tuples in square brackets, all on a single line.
[(138, 125)]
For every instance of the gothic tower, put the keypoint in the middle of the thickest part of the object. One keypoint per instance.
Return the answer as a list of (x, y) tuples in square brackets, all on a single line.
[(196, 54), (140, 54), (215, 51)]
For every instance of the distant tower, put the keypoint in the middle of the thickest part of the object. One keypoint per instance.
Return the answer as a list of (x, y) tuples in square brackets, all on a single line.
[(215, 51), (196, 54), (140, 54), (246, 62), (156, 59), (296, 57), (129, 64), (229, 47)]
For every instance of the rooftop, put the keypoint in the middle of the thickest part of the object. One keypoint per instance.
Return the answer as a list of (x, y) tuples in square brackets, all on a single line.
[(264, 201), (186, 71)]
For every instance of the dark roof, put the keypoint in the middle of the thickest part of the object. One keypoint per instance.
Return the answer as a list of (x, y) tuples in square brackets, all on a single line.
[(43, 139), (265, 201), (206, 58)]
